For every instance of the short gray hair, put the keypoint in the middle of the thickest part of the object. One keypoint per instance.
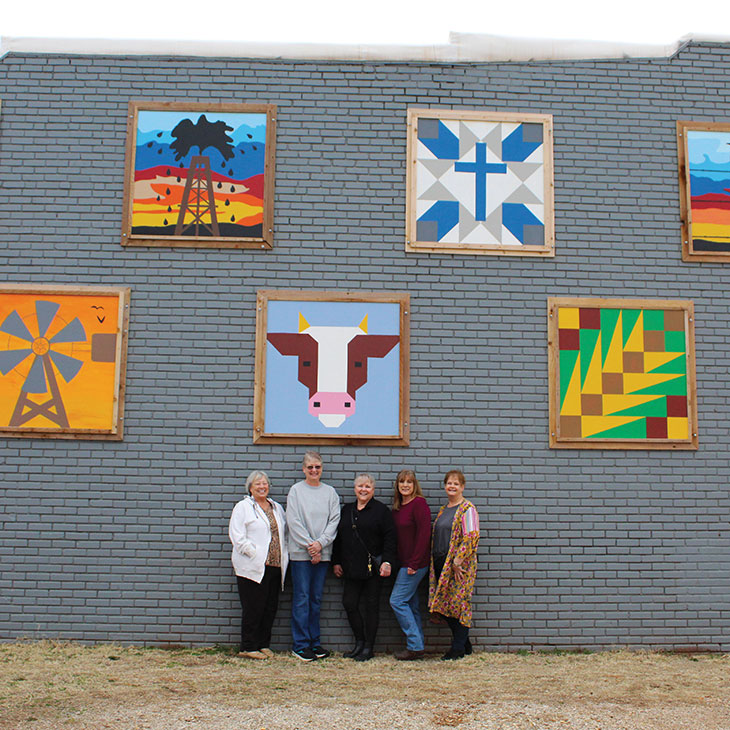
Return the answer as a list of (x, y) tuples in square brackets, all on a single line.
[(311, 456), (368, 477), (254, 476)]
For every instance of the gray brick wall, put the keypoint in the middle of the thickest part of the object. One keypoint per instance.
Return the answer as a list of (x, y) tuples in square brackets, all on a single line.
[(127, 541)]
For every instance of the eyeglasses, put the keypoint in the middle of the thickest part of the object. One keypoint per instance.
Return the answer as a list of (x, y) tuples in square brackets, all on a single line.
[(315, 467)]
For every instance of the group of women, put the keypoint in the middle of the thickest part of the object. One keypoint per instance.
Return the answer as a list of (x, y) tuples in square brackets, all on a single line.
[(373, 542)]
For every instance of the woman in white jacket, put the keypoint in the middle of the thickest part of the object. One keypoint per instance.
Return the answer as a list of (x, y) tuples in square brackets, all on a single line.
[(257, 530)]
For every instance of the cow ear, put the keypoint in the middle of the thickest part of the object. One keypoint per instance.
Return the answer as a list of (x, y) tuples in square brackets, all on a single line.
[(364, 324), (303, 324)]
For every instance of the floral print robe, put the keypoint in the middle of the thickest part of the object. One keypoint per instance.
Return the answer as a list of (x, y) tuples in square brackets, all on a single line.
[(452, 596)]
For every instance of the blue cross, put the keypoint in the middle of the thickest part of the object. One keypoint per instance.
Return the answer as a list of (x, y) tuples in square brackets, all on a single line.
[(481, 168)]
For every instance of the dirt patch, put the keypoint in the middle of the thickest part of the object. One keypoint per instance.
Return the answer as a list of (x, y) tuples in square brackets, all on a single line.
[(60, 686)]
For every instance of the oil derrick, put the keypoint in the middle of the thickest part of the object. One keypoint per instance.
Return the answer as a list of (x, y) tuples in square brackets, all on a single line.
[(198, 199)]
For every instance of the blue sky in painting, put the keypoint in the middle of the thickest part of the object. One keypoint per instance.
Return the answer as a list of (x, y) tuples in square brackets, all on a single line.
[(710, 150), (149, 123)]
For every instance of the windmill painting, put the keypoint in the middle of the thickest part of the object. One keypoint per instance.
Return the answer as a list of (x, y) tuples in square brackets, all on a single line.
[(62, 354), (199, 175)]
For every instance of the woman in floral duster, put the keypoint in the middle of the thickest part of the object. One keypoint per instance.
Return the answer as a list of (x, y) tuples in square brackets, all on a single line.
[(454, 563)]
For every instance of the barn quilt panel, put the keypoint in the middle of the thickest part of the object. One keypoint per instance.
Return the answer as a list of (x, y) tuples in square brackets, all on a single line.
[(623, 374), (199, 175), (62, 360), (480, 182), (704, 154), (331, 366)]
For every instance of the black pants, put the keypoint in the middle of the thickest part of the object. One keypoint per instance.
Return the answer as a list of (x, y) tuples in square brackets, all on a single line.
[(459, 632), (259, 602), (361, 600)]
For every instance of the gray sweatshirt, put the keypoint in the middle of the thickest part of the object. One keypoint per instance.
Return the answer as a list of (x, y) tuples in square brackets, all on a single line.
[(312, 514)]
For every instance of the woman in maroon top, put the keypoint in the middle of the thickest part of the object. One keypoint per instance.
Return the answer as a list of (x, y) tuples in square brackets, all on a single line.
[(412, 519)]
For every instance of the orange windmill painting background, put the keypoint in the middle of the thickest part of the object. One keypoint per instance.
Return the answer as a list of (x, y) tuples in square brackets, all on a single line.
[(62, 357)]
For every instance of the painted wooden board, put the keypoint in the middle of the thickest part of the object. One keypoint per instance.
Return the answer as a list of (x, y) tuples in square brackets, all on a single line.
[(62, 361), (332, 367), (622, 374), (199, 175), (479, 183), (704, 190)]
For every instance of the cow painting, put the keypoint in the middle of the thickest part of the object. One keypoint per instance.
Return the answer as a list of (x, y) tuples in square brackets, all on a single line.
[(332, 364)]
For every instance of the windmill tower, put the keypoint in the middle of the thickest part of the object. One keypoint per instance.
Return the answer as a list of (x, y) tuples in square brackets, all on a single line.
[(41, 378)]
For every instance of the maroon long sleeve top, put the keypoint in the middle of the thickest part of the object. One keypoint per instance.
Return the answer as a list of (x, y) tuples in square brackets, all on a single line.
[(413, 526)]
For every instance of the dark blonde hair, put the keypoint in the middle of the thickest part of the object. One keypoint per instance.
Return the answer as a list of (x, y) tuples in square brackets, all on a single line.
[(458, 474), (397, 497)]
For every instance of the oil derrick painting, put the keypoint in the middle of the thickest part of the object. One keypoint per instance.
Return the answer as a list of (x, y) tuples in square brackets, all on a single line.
[(704, 189), (479, 183), (622, 374), (62, 357), (199, 175)]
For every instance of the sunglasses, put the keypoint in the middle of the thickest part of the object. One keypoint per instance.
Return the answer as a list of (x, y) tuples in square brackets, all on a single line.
[(314, 467)]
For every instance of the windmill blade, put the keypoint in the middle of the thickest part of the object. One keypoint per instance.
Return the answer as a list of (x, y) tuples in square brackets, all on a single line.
[(68, 366), (36, 380), (11, 359), (72, 332), (45, 312), (13, 325)]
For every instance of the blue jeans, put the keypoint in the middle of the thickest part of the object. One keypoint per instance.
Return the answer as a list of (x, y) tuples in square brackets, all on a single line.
[(404, 602), (307, 587)]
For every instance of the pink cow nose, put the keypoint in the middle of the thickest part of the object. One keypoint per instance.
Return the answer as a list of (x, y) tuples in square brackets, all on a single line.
[(331, 408)]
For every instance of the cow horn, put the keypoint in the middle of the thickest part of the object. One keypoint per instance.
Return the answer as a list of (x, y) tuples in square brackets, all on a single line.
[(303, 324), (364, 324)]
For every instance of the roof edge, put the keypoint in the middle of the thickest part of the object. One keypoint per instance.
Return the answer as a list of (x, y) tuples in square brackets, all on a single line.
[(462, 48)]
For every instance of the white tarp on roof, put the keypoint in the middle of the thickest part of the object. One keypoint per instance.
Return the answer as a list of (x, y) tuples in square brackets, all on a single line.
[(462, 48)]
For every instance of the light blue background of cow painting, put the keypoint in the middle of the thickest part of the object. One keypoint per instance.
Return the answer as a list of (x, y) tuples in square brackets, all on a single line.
[(287, 400)]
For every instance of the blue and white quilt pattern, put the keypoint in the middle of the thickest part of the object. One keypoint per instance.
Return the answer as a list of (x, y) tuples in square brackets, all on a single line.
[(480, 183)]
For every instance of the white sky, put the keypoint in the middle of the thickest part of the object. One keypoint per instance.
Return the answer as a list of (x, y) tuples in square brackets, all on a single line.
[(368, 21)]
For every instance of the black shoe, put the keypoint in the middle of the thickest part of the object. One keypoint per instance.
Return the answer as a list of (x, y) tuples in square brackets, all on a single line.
[(365, 655), (306, 655), (359, 645), (320, 653), (451, 654), (467, 647)]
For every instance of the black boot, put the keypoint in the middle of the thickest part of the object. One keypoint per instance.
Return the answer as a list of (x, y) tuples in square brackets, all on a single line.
[(365, 655), (467, 647), (355, 651)]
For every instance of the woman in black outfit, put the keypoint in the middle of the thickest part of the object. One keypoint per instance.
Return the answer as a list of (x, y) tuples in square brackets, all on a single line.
[(363, 553)]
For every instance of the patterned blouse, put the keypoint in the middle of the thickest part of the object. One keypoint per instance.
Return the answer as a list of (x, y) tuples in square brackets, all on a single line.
[(274, 557)]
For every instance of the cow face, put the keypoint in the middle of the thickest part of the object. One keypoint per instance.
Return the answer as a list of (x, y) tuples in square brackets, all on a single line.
[(333, 364)]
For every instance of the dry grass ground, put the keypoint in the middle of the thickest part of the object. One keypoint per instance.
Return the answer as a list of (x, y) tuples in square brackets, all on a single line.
[(61, 686)]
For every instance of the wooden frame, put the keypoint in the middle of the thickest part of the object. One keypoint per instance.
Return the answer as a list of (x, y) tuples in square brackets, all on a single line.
[(704, 177), (63, 356), (621, 374), (445, 213), (358, 393), (223, 197)]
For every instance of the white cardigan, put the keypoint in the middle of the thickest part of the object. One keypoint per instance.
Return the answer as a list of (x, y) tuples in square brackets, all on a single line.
[(250, 535)]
